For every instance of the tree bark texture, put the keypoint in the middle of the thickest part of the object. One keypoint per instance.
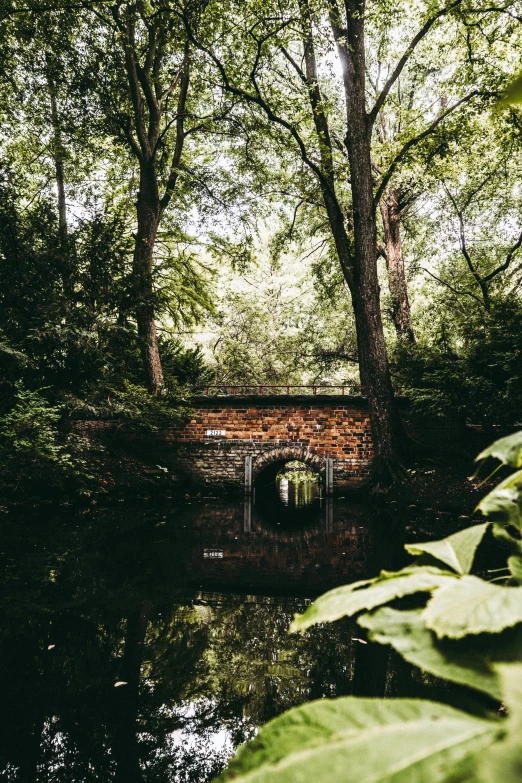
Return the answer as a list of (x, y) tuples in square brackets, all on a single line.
[(144, 135), (148, 213), (365, 290), (391, 222)]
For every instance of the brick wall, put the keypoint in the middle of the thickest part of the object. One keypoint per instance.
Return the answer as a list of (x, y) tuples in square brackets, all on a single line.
[(273, 429)]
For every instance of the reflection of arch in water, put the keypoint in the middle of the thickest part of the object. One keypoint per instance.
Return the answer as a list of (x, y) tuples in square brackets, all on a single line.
[(266, 467)]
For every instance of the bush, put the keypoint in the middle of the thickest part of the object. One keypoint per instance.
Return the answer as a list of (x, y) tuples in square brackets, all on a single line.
[(35, 451), (145, 411), (475, 375), (182, 366)]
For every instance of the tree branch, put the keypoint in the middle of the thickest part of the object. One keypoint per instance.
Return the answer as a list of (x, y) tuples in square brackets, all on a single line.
[(294, 64), (316, 100), (127, 32), (132, 141), (451, 288), (180, 128), (405, 57), (506, 263), (416, 139), (462, 236), (256, 100)]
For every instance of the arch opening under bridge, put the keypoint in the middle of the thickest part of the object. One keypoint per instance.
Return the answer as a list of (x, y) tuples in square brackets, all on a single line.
[(268, 465)]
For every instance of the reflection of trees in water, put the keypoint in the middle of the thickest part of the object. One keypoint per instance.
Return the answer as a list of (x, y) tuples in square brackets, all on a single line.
[(297, 494), (201, 674), (234, 663)]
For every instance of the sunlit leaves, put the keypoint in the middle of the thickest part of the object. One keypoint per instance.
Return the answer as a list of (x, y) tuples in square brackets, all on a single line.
[(473, 606), (503, 762), (351, 599), (502, 504), (361, 740), (515, 567), (456, 551), (508, 450)]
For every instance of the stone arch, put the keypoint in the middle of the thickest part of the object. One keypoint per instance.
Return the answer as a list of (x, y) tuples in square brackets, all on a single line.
[(279, 456)]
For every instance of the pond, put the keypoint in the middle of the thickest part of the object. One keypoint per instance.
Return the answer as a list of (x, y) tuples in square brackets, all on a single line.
[(144, 643)]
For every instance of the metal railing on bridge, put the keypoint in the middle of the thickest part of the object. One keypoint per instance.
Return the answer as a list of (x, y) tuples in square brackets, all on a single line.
[(227, 390)]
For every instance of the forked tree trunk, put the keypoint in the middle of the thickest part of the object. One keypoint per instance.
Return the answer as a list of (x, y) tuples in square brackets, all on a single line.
[(373, 358), (391, 222), (148, 211), (146, 135)]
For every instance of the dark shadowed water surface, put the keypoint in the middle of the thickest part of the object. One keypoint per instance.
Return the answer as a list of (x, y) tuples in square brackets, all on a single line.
[(144, 643)]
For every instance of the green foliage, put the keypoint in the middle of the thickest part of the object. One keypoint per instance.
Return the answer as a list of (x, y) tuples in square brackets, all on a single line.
[(472, 372), (72, 330), (463, 628), (351, 599), (273, 326), (298, 476), (474, 607), (457, 551), (508, 450), (503, 762), (362, 740), (68, 344), (504, 503), (144, 411), (36, 452), (186, 367)]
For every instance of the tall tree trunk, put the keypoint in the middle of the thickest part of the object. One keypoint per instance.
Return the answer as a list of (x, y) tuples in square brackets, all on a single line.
[(125, 745), (144, 64), (373, 358), (148, 210), (391, 222), (58, 152)]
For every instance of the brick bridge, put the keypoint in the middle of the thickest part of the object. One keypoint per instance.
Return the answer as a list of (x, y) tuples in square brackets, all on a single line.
[(238, 441)]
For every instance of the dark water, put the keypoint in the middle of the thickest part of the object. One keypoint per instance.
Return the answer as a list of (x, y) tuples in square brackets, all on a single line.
[(144, 643)]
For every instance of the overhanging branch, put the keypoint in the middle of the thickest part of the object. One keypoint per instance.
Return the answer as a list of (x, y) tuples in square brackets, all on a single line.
[(416, 139), (405, 57)]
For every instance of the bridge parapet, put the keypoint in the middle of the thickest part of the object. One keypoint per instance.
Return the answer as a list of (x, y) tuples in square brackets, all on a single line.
[(276, 390)]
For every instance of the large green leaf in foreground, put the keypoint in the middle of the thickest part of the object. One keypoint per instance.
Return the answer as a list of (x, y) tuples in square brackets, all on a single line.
[(455, 661), (351, 599), (503, 763), (471, 606), (508, 450), (353, 740), (457, 551), (504, 503)]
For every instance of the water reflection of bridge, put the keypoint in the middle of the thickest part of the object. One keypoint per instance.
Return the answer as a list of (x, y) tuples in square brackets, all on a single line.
[(248, 547)]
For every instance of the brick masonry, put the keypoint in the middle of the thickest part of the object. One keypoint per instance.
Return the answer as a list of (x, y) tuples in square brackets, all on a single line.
[(273, 430)]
